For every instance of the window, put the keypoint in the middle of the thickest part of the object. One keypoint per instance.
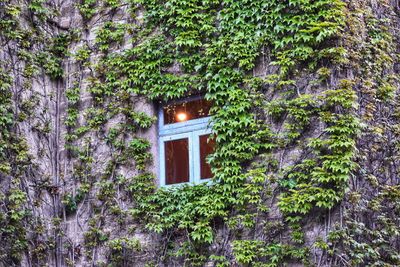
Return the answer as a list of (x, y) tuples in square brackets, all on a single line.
[(185, 143)]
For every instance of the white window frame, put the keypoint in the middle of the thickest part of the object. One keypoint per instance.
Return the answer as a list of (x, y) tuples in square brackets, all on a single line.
[(192, 130)]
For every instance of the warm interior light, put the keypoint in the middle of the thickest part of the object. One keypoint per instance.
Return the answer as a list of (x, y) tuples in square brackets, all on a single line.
[(181, 116)]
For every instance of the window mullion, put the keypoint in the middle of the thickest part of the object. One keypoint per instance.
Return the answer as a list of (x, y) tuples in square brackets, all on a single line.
[(161, 169), (196, 157), (191, 159)]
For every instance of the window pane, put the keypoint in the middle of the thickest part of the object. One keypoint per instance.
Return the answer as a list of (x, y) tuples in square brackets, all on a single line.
[(206, 148), (185, 111), (177, 161)]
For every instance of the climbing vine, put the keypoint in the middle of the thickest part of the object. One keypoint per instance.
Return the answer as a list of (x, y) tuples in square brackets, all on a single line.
[(216, 59), (286, 120)]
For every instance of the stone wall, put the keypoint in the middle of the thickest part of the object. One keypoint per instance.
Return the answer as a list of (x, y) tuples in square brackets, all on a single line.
[(63, 231)]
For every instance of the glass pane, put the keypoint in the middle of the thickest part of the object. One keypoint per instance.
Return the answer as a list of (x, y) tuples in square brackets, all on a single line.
[(206, 148), (185, 111), (177, 161)]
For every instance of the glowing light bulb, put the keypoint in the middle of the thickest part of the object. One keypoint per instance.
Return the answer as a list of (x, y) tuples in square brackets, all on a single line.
[(181, 116)]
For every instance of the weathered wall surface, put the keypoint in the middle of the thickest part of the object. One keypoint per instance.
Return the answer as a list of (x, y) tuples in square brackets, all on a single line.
[(78, 149), (59, 223)]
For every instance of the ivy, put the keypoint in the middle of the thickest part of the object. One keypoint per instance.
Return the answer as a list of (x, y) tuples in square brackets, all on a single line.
[(13, 151), (121, 246), (251, 251), (110, 33), (51, 58), (223, 45), (320, 182), (211, 47), (87, 8)]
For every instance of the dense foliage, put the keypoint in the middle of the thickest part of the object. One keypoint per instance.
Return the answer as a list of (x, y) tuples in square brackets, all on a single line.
[(287, 151)]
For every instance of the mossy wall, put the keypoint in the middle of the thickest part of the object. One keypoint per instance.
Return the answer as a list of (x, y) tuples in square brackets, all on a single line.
[(305, 116)]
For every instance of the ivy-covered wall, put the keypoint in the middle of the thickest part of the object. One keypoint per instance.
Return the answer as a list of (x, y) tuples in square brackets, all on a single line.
[(305, 115)]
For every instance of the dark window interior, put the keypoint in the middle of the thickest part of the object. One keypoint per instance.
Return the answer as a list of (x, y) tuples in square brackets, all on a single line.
[(185, 111), (206, 148), (177, 161)]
